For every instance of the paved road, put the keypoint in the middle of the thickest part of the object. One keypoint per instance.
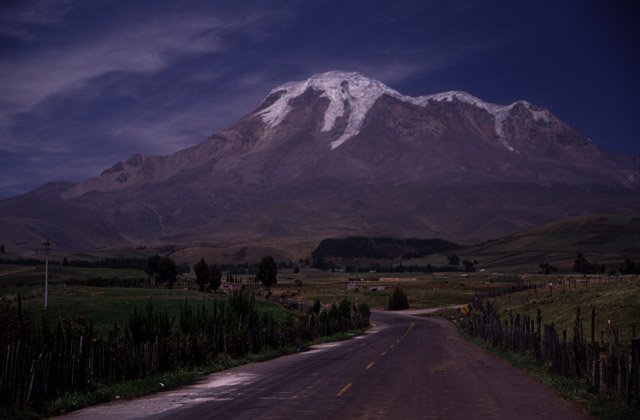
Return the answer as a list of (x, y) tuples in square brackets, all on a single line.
[(406, 368)]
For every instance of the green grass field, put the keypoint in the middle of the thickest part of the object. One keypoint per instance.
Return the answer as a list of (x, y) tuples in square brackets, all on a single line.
[(105, 306), (31, 275)]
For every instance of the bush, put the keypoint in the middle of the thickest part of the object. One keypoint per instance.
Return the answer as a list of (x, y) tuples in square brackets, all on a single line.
[(398, 300), (317, 306), (365, 311)]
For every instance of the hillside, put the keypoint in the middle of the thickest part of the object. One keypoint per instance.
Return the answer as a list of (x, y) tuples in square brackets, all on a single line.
[(601, 239)]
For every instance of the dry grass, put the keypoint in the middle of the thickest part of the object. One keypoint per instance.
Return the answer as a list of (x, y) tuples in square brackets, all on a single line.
[(423, 291), (613, 299)]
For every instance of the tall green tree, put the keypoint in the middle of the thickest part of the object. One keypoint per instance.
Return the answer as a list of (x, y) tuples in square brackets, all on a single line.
[(153, 263), (267, 271), (202, 273), (167, 272), (215, 277)]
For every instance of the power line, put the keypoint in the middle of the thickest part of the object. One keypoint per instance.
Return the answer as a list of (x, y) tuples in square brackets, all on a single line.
[(47, 248)]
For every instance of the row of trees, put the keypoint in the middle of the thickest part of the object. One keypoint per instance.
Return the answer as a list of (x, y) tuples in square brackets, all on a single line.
[(454, 261), (399, 268), (582, 265), (360, 247), (165, 271)]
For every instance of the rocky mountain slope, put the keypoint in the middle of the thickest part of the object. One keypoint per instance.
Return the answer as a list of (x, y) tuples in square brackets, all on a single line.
[(337, 155)]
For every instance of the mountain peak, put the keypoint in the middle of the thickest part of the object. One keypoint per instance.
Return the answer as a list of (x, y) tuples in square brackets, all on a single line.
[(359, 93), (340, 88)]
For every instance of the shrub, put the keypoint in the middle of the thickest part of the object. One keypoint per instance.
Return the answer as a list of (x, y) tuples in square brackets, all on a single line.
[(398, 300)]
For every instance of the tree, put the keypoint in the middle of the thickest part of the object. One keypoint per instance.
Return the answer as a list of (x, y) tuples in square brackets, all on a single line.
[(267, 272), (344, 309), (453, 259), (317, 306), (548, 268), (2, 251), (153, 263), (167, 272), (581, 265), (215, 277), (469, 266), (202, 273), (183, 268), (398, 300), (630, 267)]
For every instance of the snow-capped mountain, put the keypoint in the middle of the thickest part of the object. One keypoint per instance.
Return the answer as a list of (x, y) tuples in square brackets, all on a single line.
[(341, 154), (356, 93)]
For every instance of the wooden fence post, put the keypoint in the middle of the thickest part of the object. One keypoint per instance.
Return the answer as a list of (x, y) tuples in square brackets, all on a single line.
[(593, 325), (634, 394)]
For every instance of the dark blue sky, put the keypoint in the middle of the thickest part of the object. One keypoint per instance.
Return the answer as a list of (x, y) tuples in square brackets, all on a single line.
[(85, 84)]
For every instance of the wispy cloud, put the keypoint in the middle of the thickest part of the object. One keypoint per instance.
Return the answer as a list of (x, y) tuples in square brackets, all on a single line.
[(134, 47), (20, 19)]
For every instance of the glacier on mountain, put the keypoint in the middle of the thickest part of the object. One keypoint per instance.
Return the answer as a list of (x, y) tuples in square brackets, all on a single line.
[(361, 93)]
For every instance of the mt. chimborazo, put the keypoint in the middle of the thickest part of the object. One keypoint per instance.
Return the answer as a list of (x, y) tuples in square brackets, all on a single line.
[(338, 155)]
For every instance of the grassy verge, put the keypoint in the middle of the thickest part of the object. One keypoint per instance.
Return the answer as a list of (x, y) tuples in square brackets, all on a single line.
[(573, 390), (153, 383), (616, 301)]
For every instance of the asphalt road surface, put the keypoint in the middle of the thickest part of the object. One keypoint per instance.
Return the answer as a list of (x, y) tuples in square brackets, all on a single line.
[(405, 368)]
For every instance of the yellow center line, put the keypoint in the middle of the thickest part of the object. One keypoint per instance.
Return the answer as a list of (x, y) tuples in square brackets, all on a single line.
[(344, 389), (383, 353), (368, 366), (391, 346)]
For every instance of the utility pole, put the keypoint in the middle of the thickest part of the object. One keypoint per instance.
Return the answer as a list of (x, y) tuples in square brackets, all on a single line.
[(47, 248)]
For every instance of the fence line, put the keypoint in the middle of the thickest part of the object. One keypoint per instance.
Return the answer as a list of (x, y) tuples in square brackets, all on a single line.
[(614, 373), (78, 364)]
